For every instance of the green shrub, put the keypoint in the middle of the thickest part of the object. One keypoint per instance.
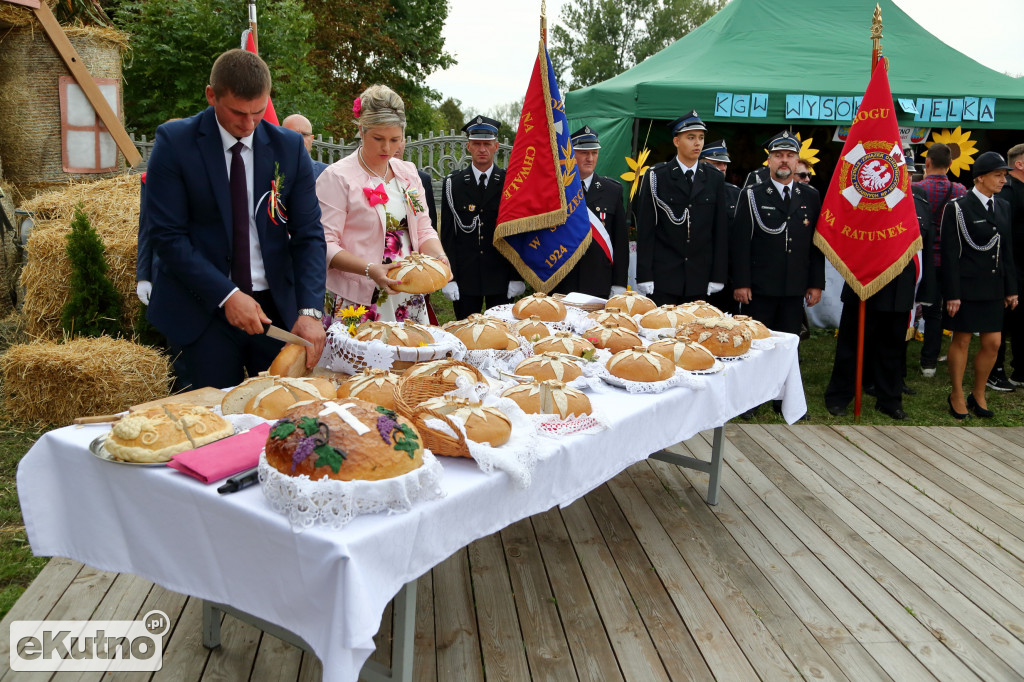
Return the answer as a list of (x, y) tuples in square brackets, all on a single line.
[(94, 305)]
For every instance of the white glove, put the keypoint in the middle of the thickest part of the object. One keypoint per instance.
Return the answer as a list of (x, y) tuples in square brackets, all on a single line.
[(451, 291), (645, 288), (515, 287), (616, 290), (714, 287), (143, 290), (926, 304)]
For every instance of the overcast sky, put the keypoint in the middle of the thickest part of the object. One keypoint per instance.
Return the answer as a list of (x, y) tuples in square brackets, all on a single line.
[(495, 42)]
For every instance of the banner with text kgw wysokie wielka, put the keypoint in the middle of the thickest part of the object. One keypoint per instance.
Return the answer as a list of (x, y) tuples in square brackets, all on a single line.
[(868, 227), (543, 226)]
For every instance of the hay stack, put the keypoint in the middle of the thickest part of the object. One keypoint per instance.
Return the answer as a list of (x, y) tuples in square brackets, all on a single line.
[(113, 208), (13, 15), (9, 269), (55, 382), (30, 139)]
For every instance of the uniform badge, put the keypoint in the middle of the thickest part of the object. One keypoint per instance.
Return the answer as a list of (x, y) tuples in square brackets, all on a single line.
[(807, 221), (472, 207), (875, 172)]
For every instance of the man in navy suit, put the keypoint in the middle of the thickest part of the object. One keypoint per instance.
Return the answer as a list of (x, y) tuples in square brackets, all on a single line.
[(235, 223)]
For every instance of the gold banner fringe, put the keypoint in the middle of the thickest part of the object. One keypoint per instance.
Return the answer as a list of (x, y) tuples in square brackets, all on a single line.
[(866, 291)]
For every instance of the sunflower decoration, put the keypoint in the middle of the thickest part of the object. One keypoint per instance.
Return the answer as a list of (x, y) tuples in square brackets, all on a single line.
[(808, 154), (637, 170), (961, 148)]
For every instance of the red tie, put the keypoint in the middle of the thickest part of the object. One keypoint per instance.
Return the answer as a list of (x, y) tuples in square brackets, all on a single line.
[(241, 272)]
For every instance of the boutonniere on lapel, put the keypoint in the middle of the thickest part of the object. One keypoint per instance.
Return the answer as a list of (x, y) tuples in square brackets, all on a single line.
[(275, 207), (412, 197), (376, 195)]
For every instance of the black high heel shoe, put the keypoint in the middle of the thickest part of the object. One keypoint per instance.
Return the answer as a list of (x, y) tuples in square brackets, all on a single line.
[(956, 415), (973, 406)]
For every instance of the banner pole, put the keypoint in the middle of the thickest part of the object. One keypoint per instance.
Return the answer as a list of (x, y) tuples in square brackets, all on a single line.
[(876, 54), (252, 25)]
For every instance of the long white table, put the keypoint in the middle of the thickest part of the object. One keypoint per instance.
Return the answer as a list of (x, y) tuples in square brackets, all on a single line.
[(329, 587)]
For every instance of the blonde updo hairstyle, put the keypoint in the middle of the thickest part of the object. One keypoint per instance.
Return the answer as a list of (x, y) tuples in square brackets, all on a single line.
[(380, 107)]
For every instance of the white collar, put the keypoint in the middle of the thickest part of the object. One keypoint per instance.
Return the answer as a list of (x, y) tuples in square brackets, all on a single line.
[(477, 172), (586, 181), (981, 197), (688, 168), (779, 186), (229, 140)]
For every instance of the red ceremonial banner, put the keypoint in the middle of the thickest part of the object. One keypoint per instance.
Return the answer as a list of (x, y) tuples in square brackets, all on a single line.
[(249, 45), (868, 227)]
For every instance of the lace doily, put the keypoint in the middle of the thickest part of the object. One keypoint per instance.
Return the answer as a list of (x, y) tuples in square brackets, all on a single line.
[(680, 378), (344, 354), (576, 320), (764, 344), (334, 503), (503, 360), (518, 457), (714, 369), (734, 358), (551, 426)]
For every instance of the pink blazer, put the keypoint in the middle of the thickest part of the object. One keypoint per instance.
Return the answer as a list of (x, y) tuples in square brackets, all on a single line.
[(350, 223)]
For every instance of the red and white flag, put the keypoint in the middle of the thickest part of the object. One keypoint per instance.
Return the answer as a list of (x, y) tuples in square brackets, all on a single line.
[(249, 45)]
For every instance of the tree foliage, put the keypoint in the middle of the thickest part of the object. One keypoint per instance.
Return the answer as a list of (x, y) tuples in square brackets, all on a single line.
[(451, 114), (394, 42), (174, 44), (94, 305), (606, 37)]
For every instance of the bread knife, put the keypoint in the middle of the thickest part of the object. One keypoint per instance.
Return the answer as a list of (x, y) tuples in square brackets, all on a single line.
[(281, 335)]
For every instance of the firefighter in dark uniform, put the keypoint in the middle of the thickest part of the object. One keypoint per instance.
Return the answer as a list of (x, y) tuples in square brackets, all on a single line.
[(775, 265), (756, 177), (683, 222), (599, 273), (717, 155), (469, 212), (886, 317)]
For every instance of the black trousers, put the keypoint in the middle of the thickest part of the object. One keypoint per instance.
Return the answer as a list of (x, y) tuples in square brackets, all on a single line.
[(222, 354), (781, 313), (885, 344), (1013, 332), (467, 305)]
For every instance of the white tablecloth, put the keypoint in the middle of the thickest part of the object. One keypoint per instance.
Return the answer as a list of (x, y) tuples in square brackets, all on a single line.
[(331, 587)]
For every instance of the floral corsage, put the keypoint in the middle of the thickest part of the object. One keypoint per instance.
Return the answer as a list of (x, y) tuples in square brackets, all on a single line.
[(412, 197), (275, 207)]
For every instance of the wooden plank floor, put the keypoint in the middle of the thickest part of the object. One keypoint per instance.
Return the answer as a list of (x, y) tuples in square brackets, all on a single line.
[(835, 553)]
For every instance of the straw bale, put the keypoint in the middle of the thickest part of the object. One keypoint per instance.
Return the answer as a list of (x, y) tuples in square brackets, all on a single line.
[(13, 15), (53, 383), (9, 265), (113, 209), (12, 331), (30, 139)]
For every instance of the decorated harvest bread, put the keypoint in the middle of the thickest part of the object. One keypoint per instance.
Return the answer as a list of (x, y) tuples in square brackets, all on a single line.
[(376, 386), (640, 364), (702, 309), (665, 317), (158, 433), (270, 396), (532, 329), (405, 334), (612, 338), (483, 424), (631, 303), (543, 306), (722, 336), (485, 333), (419, 274), (685, 353), (563, 342), (757, 328), (290, 362), (344, 440), (557, 366), (614, 316), (549, 397), (445, 369)]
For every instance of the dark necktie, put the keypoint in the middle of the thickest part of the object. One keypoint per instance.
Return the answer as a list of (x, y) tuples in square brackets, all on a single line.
[(241, 272), (991, 209), (585, 189), (785, 197), (689, 178), (483, 181)]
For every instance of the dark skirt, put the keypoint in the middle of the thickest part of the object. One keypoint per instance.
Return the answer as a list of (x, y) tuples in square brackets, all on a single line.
[(976, 317)]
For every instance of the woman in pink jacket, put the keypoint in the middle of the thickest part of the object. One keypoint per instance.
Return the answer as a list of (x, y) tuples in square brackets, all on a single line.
[(374, 212)]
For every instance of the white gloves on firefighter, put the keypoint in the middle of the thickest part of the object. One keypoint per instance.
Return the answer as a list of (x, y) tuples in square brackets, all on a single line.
[(144, 290), (645, 288), (451, 291), (515, 288), (715, 287), (617, 290)]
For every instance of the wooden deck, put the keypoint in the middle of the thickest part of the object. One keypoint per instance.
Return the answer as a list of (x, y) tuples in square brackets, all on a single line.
[(835, 553)]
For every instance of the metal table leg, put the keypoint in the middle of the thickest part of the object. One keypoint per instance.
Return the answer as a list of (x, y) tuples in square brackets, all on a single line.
[(712, 468)]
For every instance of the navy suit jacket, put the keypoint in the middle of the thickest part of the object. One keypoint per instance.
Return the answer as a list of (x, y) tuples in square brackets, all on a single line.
[(188, 211), (144, 250)]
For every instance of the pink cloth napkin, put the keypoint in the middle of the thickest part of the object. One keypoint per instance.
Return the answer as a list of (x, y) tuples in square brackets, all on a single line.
[(223, 458)]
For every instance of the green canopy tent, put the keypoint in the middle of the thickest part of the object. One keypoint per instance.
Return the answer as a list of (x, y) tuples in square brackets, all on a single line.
[(790, 63)]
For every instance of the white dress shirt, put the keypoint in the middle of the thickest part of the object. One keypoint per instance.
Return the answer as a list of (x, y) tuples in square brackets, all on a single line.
[(477, 173), (259, 273)]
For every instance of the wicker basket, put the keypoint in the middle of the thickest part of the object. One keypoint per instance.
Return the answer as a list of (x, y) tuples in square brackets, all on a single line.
[(589, 307), (438, 442)]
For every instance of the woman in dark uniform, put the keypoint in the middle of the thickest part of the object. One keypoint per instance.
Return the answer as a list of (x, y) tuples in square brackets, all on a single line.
[(978, 279)]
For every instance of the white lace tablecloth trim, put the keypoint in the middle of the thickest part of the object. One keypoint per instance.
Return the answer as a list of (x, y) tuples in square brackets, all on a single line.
[(680, 378), (344, 354), (504, 360), (552, 426), (334, 503), (503, 380)]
